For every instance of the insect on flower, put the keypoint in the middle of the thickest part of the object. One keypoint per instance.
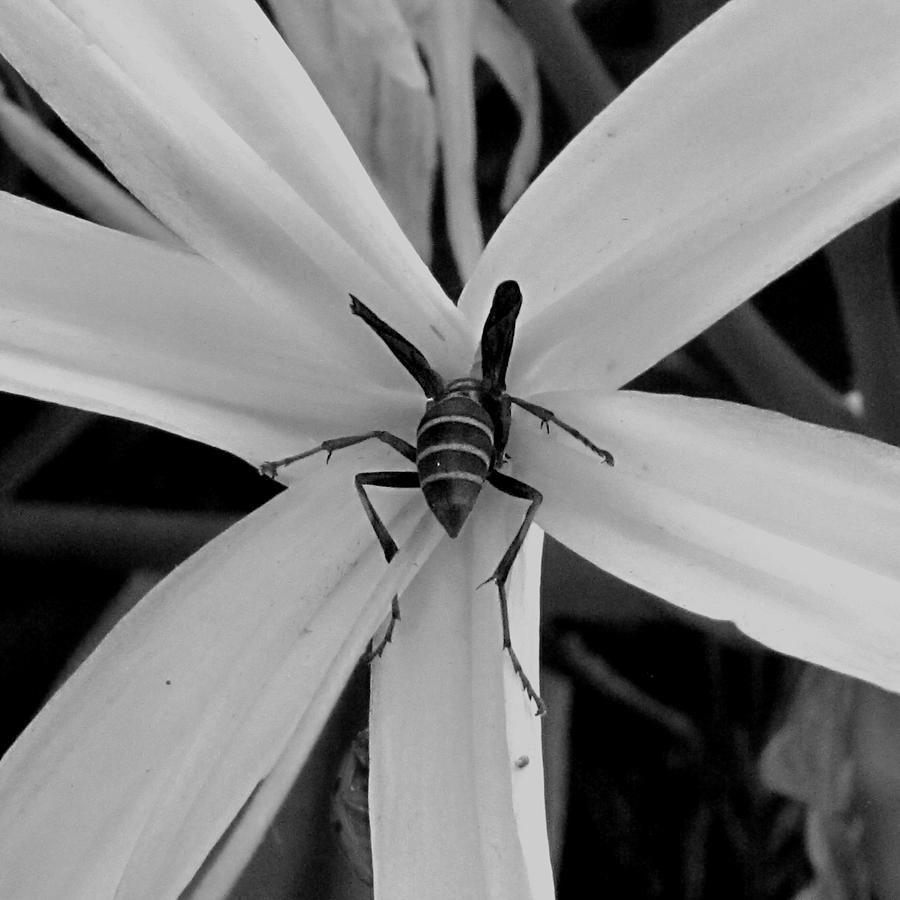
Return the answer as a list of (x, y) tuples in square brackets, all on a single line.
[(460, 444)]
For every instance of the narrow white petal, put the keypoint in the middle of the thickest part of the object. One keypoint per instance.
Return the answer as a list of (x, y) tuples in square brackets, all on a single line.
[(108, 322), (788, 529), (445, 32), (452, 814), (764, 133), (199, 687), (252, 172)]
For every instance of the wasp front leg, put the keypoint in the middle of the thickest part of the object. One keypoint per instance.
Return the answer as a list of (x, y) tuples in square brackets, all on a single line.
[(270, 469), (546, 416), (388, 545), (523, 491)]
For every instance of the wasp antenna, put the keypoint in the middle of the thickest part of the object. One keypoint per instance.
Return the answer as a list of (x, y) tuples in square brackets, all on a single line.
[(499, 331), (412, 359)]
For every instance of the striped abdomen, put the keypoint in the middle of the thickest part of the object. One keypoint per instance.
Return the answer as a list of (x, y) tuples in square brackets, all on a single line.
[(455, 445)]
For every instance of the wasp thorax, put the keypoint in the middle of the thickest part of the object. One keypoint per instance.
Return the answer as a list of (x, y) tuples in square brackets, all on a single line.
[(455, 446)]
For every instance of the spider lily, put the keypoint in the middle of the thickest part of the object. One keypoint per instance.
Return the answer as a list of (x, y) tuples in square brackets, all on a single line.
[(759, 137)]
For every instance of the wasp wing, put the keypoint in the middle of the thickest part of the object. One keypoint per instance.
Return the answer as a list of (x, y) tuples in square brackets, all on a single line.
[(499, 330)]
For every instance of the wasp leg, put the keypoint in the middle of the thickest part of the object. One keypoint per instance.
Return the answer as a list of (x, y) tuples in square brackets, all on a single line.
[(270, 469), (388, 545), (523, 491), (546, 416)]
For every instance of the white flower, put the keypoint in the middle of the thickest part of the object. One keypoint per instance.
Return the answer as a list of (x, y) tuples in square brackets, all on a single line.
[(766, 132)]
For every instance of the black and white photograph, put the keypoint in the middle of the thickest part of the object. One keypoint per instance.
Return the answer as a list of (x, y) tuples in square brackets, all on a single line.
[(450, 449)]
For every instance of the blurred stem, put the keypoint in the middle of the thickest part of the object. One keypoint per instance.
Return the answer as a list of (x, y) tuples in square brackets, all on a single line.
[(861, 268), (696, 846), (601, 676), (11, 82), (771, 375), (558, 692), (48, 435), (12, 168), (109, 537), (579, 79)]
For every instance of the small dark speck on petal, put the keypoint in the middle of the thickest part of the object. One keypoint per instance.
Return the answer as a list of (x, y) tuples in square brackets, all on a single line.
[(610, 134), (168, 681), (521, 762), (440, 336)]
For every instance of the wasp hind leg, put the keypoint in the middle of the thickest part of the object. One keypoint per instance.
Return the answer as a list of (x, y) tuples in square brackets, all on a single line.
[(546, 416), (388, 545), (270, 469), (522, 491)]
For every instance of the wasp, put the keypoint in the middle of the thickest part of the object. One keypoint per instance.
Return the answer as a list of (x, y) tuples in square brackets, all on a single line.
[(460, 445)]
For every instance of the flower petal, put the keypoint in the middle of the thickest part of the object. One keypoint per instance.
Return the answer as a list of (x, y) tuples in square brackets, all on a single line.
[(208, 675), (253, 173), (756, 139), (452, 814), (788, 529), (74, 178), (260, 811), (363, 60), (445, 33), (112, 323)]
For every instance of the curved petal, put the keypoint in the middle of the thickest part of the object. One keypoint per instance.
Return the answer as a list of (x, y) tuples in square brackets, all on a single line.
[(188, 703), (108, 322), (254, 173), (764, 133), (452, 814), (788, 529)]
